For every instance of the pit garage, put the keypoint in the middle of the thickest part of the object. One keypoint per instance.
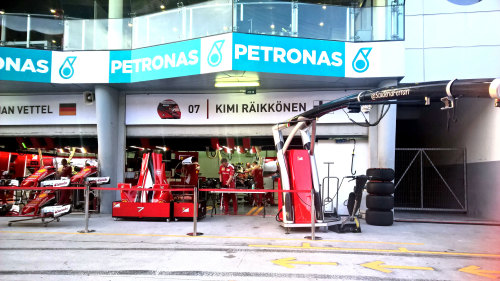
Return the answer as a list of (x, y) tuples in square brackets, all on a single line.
[(277, 140), (213, 127), (255, 233)]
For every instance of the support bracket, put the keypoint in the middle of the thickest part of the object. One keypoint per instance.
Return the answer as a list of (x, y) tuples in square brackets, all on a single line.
[(449, 100)]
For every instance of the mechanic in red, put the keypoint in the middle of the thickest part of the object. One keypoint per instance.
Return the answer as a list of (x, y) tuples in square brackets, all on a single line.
[(191, 172), (226, 176), (66, 172), (258, 178)]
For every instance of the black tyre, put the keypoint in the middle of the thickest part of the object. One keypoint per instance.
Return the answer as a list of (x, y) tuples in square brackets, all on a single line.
[(378, 202), (380, 174), (380, 188), (380, 218)]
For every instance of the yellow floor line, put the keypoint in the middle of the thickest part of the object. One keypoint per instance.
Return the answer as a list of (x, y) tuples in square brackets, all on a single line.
[(251, 211), (204, 236), (399, 250), (258, 211)]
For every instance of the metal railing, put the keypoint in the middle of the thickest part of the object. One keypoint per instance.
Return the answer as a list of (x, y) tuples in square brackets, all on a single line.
[(31, 31), (279, 18)]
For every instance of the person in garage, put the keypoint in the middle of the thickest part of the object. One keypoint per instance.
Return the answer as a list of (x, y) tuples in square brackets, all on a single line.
[(66, 172), (226, 177), (248, 170), (258, 179), (191, 172)]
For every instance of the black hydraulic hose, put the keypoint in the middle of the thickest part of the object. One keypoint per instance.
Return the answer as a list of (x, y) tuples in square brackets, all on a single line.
[(479, 88), (278, 215), (352, 159)]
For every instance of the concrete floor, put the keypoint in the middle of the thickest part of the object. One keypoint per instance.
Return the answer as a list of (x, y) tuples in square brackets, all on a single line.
[(243, 248)]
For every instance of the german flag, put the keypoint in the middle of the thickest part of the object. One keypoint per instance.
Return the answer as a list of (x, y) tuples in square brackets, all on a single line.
[(66, 109)]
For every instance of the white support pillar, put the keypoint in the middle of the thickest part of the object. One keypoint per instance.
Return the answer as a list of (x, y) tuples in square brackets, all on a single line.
[(111, 137), (380, 23), (373, 138), (386, 134), (115, 24), (382, 138)]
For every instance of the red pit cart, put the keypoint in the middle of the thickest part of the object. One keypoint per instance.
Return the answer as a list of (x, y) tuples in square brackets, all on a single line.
[(153, 196)]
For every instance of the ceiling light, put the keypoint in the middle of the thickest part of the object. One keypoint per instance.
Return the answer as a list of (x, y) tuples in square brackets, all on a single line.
[(136, 147), (324, 7), (272, 26), (321, 24), (237, 84)]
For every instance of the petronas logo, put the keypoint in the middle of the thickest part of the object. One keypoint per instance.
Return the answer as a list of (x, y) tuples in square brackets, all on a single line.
[(66, 71), (360, 63), (215, 55)]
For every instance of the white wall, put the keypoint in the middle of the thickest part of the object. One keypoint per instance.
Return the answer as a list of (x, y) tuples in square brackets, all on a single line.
[(340, 154), (447, 41)]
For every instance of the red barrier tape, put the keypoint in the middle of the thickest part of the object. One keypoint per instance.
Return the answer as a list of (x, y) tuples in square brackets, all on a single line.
[(255, 190), (152, 189), (141, 189), (41, 188), (93, 188)]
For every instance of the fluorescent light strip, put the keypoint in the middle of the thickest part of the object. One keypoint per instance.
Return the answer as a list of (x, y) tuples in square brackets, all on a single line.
[(236, 84)]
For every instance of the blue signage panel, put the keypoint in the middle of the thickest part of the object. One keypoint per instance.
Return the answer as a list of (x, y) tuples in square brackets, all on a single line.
[(159, 62), (244, 52), (118, 72), (25, 65), (275, 54)]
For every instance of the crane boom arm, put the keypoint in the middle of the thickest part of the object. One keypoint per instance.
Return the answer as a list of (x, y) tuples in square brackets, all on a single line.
[(446, 90)]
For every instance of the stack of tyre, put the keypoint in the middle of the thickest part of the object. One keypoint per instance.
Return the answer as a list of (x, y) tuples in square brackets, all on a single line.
[(380, 199)]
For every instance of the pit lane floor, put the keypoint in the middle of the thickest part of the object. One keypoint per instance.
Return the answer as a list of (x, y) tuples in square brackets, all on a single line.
[(244, 248)]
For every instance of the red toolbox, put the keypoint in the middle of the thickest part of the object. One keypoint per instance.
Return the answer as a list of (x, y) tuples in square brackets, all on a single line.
[(170, 210), (185, 209), (141, 210)]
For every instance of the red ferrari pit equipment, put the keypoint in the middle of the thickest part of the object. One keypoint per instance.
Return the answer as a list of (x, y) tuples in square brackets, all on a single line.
[(298, 167), (88, 175), (153, 197), (43, 202)]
